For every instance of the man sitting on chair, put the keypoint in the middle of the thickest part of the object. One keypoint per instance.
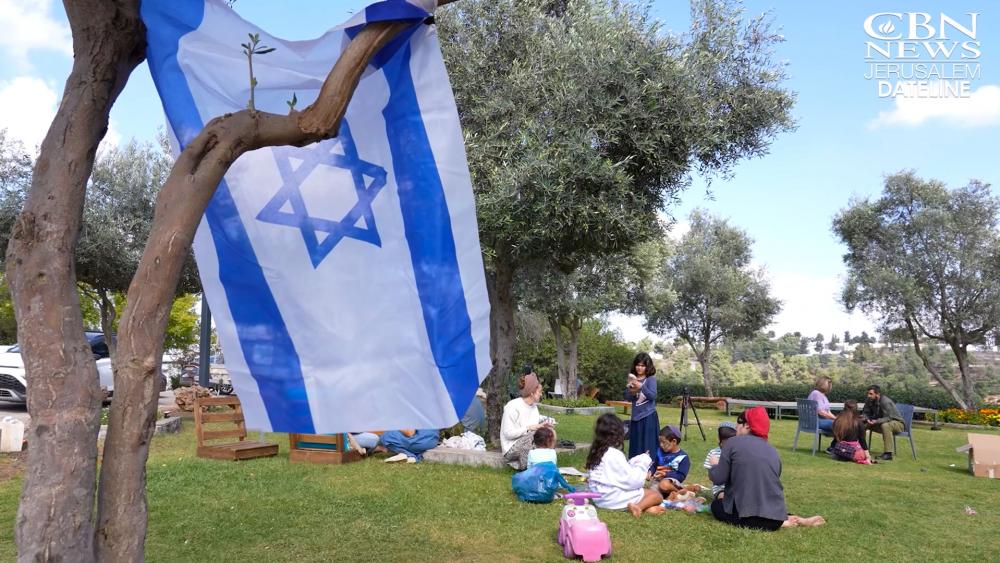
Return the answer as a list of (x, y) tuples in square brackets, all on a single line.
[(881, 415)]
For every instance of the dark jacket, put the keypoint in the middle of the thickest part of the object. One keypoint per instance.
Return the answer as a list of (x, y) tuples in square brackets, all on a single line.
[(750, 469), (881, 411)]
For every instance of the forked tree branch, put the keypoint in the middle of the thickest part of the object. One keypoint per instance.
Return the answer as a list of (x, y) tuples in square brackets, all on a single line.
[(180, 206)]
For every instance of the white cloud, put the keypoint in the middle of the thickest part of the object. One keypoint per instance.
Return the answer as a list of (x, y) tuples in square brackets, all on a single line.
[(28, 25), (980, 109), (27, 106)]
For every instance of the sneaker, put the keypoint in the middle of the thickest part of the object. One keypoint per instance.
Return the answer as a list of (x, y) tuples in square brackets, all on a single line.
[(395, 458), (887, 456), (411, 460)]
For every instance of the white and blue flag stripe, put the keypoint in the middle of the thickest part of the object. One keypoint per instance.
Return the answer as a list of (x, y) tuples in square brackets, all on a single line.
[(345, 277)]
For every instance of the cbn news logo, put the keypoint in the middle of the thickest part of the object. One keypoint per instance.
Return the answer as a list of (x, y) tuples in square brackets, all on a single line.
[(921, 55)]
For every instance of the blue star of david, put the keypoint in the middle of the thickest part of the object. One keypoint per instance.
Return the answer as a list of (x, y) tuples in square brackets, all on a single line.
[(290, 194)]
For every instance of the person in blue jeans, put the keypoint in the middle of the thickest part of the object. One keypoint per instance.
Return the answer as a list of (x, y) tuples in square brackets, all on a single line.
[(409, 445), (818, 394)]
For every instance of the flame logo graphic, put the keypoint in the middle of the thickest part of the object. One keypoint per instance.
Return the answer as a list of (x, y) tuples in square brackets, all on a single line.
[(886, 28)]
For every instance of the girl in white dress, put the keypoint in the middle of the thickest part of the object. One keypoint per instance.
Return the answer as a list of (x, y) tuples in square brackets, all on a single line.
[(620, 481)]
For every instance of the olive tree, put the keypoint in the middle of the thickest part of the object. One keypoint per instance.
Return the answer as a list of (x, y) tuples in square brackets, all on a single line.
[(117, 216), (926, 259), (710, 291), (568, 299), (583, 118)]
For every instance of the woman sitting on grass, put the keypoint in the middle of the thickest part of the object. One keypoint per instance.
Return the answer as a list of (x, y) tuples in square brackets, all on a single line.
[(520, 421), (750, 469), (849, 431)]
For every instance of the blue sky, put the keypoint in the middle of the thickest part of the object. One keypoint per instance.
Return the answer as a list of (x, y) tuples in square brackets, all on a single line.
[(847, 137)]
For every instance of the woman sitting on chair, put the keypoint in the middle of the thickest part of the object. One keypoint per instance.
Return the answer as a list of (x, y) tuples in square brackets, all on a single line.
[(819, 394)]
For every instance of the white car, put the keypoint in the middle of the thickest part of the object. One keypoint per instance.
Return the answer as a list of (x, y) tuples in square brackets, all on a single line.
[(13, 385)]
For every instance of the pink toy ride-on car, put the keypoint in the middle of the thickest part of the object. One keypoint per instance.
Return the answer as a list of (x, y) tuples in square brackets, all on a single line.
[(581, 533)]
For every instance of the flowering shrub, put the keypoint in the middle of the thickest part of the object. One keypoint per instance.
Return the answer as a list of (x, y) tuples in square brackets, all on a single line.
[(982, 417)]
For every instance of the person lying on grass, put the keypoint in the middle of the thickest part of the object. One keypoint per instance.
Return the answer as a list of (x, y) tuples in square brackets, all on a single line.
[(621, 482), (750, 469)]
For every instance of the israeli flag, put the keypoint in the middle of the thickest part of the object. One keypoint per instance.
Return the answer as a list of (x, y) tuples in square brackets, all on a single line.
[(345, 277)]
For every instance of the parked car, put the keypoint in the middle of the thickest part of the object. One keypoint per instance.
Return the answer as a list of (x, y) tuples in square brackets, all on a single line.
[(14, 386)]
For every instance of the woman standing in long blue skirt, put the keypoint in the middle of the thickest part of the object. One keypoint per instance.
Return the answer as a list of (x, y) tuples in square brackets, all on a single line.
[(644, 427)]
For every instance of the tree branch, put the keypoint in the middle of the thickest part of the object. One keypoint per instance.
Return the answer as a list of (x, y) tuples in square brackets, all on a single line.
[(180, 206)]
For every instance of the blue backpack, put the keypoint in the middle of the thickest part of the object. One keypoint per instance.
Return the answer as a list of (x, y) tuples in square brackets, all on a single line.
[(539, 483)]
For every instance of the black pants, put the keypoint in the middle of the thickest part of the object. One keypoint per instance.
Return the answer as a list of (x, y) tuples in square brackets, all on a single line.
[(752, 522)]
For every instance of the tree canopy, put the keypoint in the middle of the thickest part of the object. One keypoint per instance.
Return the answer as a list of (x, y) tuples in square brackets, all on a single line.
[(584, 118), (709, 290), (926, 259), (117, 217)]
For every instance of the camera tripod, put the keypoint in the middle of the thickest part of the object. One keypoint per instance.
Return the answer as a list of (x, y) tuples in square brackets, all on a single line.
[(685, 405)]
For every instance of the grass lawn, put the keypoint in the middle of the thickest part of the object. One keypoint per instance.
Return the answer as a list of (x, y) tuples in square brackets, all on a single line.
[(271, 510)]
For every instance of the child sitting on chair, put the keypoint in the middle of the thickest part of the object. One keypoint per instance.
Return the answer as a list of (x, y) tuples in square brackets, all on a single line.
[(726, 431), (544, 443)]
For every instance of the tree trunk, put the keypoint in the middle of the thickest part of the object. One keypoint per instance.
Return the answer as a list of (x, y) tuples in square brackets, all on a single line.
[(572, 363), (931, 369), (561, 374), (55, 515), (706, 375), (121, 504), (968, 388), (501, 291), (108, 315)]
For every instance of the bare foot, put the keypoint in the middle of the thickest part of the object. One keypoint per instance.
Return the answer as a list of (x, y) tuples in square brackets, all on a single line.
[(634, 509), (812, 521), (656, 510), (790, 523)]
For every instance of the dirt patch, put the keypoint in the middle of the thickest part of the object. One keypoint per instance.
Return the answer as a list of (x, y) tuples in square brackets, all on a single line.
[(12, 465)]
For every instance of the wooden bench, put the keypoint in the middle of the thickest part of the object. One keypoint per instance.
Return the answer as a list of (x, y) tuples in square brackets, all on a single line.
[(232, 451), (719, 403), (625, 405), (320, 448)]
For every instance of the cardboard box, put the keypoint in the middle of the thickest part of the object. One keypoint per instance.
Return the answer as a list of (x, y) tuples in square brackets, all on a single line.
[(984, 455)]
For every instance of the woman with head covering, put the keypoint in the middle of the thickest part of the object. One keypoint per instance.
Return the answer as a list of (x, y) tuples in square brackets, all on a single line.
[(750, 470), (520, 420)]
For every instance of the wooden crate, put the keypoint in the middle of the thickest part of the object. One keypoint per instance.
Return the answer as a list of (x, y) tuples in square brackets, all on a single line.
[(228, 424), (320, 448)]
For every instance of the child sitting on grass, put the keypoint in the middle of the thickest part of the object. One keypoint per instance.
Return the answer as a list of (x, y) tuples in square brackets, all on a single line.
[(544, 443), (620, 481), (672, 466), (672, 463), (726, 431)]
